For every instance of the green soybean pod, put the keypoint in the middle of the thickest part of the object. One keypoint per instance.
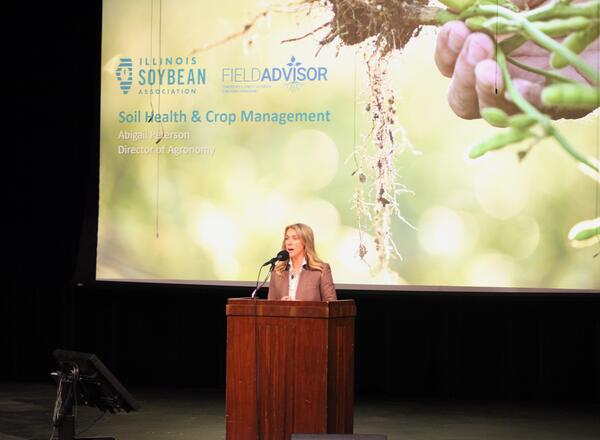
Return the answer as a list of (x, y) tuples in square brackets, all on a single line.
[(522, 121), (571, 95), (458, 5), (476, 23), (559, 27), (507, 4), (495, 116), (497, 142), (576, 42), (504, 3), (587, 233)]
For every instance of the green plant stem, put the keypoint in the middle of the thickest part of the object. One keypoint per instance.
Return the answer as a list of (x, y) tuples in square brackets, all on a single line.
[(551, 75), (524, 105), (435, 16), (561, 10), (542, 119), (573, 152)]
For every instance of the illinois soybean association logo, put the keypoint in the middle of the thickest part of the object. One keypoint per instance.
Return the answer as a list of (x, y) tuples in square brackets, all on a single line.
[(160, 76), (124, 74), (294, 75)]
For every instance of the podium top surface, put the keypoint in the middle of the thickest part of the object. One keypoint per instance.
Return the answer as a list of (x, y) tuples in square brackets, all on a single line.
[(298, 309)]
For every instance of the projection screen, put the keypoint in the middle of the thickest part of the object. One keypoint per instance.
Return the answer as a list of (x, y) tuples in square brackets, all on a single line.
[(223, 122)]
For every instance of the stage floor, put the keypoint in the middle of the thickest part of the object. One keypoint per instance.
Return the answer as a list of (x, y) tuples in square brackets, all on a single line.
[(26, 412)]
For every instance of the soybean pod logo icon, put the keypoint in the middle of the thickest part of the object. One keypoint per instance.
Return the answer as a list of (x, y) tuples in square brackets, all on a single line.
[(124, 74)]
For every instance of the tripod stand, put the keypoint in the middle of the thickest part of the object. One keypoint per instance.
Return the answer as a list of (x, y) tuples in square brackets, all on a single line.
[(67, 394)]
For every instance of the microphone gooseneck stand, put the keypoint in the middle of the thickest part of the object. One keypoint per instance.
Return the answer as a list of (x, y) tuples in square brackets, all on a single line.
[(258, 287), (282, 255)]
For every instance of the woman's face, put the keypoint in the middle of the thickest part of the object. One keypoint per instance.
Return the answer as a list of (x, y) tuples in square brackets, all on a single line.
[(293, 243)]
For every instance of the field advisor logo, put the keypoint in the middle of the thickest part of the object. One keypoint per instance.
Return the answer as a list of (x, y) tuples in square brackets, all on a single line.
[(293, 74), (178, 75)]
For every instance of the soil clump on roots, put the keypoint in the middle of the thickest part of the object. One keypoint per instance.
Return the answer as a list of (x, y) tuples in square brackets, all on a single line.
[(392, 22)]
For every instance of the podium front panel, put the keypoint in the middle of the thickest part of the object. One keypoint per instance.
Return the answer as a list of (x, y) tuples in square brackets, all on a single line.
[(290, 368)]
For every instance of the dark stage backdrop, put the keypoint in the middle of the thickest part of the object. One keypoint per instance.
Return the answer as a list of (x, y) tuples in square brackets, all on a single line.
[(492, 346), (533, 347)]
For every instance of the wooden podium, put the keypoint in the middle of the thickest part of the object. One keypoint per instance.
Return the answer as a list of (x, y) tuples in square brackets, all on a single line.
[(290, 368)]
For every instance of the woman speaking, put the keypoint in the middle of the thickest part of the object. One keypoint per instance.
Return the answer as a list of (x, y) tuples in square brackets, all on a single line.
[(304, 276)]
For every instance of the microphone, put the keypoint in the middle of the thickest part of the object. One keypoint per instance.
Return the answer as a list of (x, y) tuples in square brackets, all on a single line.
[(281, 256)]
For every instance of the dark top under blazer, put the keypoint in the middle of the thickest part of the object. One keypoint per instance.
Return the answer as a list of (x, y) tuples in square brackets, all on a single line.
[(313, 285)]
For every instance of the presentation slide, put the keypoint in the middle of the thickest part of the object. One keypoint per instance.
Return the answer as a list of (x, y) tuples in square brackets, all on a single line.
[(223, 122)]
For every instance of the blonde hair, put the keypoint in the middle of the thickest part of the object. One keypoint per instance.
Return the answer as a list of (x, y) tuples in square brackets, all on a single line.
[(307, 238)]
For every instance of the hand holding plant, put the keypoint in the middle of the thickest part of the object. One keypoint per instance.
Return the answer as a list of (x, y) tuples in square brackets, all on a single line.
[(469, 59)]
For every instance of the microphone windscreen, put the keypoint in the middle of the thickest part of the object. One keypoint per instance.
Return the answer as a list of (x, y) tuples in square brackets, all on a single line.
[(283, 255)]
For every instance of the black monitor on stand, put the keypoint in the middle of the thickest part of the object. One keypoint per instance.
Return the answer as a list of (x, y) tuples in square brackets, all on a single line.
[(84, 380)]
